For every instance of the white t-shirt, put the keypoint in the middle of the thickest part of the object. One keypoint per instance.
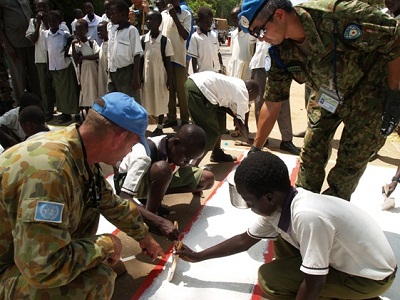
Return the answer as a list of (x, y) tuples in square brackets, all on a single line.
[(223, 91), (330, 231), (123, 46)]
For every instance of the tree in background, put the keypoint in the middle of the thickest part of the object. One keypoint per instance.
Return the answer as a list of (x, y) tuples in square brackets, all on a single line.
[(221, 9)]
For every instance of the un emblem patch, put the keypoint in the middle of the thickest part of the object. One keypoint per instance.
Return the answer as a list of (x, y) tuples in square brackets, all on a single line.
[(49, 212), (244, 22), (352, 32)]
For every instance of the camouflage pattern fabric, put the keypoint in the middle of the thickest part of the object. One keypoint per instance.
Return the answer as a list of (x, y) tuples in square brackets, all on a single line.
[(48, 246), (366, 40)]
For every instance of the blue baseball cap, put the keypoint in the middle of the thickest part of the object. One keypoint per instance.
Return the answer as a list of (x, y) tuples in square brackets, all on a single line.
[(124, 111), (251, 8)]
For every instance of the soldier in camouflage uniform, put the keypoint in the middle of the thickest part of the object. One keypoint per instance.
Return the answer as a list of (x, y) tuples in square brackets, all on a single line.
[(52, 194), (348, 52)]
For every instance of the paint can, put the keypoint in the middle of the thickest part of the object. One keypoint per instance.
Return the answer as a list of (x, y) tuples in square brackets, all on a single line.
[(236, 200)]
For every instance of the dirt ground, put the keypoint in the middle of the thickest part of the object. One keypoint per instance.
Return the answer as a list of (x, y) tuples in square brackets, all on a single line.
[(185, 206)]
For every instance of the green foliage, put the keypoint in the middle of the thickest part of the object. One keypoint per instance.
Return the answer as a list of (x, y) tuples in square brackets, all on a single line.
[(67, 6), (221, 8)]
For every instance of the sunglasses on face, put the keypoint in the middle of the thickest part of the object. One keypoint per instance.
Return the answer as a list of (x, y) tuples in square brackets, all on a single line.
[(259, 33)]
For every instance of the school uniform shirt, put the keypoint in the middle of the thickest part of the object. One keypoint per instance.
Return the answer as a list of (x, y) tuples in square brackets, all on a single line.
[(137, 163), (242, 49), (155, 93), (169, 29), (223, 91), (92, 32), (10, 119), (54, 44), (329, 231), (40, 51), (103, 67), (88, 73), (258, 59), (205, 47), (73, 26), (123, 46)]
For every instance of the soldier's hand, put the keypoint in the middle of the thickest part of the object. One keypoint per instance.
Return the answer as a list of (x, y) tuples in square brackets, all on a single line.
[(39, 17), (135, 84), (150, 247), (391, 113), (115, 257)]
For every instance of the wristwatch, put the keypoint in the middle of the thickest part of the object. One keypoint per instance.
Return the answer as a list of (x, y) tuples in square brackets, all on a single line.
[(396, 179)]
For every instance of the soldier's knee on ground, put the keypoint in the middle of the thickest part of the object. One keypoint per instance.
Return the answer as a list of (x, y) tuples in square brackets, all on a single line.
[(96, 283)]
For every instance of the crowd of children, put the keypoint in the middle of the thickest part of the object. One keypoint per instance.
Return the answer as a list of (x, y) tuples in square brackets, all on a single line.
[(98, 55)]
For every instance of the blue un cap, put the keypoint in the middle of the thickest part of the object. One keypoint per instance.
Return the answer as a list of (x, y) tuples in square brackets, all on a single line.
[(251, 8), (124, 111)]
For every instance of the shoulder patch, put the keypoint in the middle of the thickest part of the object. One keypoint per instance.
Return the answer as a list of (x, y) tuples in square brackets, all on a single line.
[(49, 212), (352, 32), (244, 22)]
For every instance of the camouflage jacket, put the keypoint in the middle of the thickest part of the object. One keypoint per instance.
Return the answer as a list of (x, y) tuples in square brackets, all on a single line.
[(48, 217), (365, 36)]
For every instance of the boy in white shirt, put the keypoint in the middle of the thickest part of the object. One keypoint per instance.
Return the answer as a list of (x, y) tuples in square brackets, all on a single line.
[(61, 68), (176, 26), (124, 51), (325, 247), (204, 45)]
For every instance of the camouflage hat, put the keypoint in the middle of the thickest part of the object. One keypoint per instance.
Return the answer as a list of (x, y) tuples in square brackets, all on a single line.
[(124, 111), (251, 8)]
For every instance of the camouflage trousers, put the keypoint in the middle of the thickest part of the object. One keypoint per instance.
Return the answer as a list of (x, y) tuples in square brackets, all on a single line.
[(96, 283), (361, 115)]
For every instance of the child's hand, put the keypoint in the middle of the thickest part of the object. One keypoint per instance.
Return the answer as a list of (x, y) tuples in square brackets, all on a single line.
[(169, 83), (40, 16), (135, 84)]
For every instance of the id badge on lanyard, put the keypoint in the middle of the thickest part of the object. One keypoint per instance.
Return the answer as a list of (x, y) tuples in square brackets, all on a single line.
[(327, 99)]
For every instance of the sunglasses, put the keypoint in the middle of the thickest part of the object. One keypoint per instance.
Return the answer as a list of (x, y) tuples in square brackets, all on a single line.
[(259, 33)]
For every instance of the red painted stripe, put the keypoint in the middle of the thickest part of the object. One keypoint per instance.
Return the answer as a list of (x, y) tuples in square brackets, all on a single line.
[(269, 254), (159, 267)]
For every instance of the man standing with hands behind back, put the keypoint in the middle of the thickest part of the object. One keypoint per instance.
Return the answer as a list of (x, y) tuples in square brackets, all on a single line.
[(349, 53)]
